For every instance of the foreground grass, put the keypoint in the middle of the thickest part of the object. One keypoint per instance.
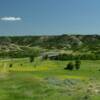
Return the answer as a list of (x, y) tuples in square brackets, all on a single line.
[(47, 80)]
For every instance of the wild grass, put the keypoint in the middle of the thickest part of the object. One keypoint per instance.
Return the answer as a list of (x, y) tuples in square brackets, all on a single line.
[(47, 80)]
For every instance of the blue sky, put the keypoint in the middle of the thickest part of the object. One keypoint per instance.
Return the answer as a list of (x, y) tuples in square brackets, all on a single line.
[(42, 17)]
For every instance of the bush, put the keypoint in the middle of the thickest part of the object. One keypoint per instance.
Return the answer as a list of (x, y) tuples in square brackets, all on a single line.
[(21, 64), (45, 57), (31, 58), (77, 64), (88, 57), (11, 65), (70, 66), (66, 57), (85, 56)]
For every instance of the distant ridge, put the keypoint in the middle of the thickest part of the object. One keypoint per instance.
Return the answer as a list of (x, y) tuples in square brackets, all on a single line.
[(51, 41)]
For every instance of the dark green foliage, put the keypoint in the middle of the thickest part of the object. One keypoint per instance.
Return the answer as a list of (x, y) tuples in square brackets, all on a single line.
[(88, 56), (24, 52), (31, 59), (97, 55), (63, 57), (86, 97), (11, 65), (45, 57), (66, 57), (54, 57), (77, 64), (84, 56), (21, 64), (70, 66)]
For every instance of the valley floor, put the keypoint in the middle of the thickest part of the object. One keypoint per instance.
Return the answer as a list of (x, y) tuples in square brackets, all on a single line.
[(47, 80)]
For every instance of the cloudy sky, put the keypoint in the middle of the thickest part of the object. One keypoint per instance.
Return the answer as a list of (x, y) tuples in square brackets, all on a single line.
[(35, 17)]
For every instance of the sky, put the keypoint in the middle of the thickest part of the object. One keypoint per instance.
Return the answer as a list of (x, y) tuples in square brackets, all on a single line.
[(48, 17)]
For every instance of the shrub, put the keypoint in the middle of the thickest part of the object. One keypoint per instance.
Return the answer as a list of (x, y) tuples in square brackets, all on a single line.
[(77, 64), (11, 65), (21, 64), (70, 66), (31, 58), (45, 57)]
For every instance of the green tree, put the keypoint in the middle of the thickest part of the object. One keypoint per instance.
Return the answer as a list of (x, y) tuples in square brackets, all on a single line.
[(45, 57), (11, 65), (31, 58), (77, 64), (70, 66)]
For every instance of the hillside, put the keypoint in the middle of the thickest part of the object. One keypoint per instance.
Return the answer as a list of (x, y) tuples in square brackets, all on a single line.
[(62, 41)]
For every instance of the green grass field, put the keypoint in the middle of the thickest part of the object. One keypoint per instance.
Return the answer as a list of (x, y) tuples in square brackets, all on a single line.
[(47, 80)]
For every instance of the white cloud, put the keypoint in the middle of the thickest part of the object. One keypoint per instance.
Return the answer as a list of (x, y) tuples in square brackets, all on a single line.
[(10, 18)]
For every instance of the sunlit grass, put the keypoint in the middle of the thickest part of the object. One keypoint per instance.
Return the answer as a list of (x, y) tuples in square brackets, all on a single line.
[(71, 77), (43, 80)]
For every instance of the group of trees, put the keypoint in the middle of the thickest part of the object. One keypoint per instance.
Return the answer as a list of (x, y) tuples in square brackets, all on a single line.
[(22, 53), (71, 65), (85, 56)]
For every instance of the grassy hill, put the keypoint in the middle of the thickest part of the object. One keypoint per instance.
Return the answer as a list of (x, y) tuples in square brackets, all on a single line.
[(78, 44), (46, 79), (63, 41)]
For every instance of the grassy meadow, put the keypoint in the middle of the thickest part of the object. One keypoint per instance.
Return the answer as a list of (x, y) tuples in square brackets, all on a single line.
[(47, 80)]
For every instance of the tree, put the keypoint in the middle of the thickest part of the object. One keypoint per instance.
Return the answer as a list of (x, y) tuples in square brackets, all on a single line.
[(77, 64), (31, 58), (11, 65), (45, 57), (70, 66)]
